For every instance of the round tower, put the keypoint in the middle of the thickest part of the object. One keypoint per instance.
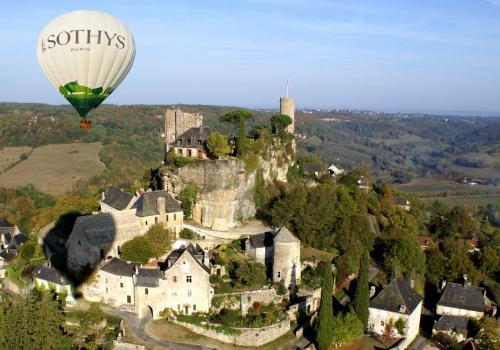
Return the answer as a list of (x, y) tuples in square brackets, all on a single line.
[(286, 258), (287, 107)]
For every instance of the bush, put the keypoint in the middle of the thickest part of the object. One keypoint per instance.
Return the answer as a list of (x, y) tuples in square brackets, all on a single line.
[(187, 197), (218, 144), (137, 250), (187, 233), (159, 239)]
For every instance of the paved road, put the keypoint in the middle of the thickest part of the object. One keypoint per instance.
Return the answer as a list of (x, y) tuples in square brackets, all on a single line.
[(138, 327)]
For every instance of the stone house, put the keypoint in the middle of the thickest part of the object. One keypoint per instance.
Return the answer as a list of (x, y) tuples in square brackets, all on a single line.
[(188, 274), (397, 301), (402, 203), (454, 326), (6, 256), (279, 251), (192, 143), (116, 199), (185, 133), (96, 237), (49, 278), (159, 207), (181, 284), (461, 300)]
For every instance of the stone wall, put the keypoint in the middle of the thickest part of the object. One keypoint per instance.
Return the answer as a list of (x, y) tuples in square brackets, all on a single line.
[(244, 300), (225, 188), (246, 336)]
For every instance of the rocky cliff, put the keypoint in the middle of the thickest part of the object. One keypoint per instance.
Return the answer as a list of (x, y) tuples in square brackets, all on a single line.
[(226, 186)]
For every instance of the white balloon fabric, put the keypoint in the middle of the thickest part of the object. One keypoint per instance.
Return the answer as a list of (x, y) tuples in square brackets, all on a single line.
[(85, 55)]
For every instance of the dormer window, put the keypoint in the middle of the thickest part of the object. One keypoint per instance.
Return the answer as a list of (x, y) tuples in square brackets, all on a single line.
[(199, 143), (179, 142), (189, 142)]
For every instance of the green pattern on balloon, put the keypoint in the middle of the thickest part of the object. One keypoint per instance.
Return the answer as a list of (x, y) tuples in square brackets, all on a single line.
[(84, 98)]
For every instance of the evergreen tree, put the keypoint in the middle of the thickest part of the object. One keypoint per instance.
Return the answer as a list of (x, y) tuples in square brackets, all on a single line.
[(361, 296), (324, 326), (48, 318), (239, 118)]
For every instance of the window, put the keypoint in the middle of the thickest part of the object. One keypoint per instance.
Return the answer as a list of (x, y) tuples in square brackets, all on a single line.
[(156, 219), (200, 153), (106, 290), (199, 143), (279, 274), (121, 284), (167, 217), (179, 151), (189, 142), (178, 307), (146, 291), (175, 217), (175, 279), (189, 153), (194, 307), (146, 222), (382, 323), (179, 142), (189, 293), (189, 279), (79, 243), (129, 299)]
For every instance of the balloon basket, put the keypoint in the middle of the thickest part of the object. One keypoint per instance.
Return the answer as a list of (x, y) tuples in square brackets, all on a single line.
[(85, 124)]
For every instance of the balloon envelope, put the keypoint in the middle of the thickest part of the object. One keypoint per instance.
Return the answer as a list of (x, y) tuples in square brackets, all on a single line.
[(85, 55)]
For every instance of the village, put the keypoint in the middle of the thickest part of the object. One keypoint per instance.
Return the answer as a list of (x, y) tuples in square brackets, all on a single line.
[(219, 272)]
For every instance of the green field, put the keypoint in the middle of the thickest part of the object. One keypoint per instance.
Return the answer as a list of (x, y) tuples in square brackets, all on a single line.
[(55, 169), (424, 185)]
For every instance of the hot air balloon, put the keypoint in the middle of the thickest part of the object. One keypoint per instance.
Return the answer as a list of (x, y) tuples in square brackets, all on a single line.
[(85, 55)]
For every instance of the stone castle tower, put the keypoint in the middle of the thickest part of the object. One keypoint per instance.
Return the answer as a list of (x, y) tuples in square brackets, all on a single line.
[(286, 258), (287, 107), (177, 122)]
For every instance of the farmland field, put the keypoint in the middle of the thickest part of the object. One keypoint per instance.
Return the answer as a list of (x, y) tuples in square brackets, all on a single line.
[(465, 200), (11, 155), (55, 169), (426, 185)]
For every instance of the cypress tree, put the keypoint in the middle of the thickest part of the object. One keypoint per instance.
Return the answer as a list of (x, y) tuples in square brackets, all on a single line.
[(361, 296), (324, 326)]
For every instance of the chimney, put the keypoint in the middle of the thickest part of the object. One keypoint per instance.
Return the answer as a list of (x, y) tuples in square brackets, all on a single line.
[(412, 283), (372, 291), (136, 270), (443, 284), (160, 207), (465, 281)]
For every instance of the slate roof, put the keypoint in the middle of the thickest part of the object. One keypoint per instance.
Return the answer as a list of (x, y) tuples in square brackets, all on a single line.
[(194, 134), (396, 294), (17, 240), (195, 251), (102, 229), (148, 277), (456, 324), (51, 275), (146, 204), (8, 254), (120, 267), (401, 201), (261, 240), (463, 296), (312, 168), (285, 236), (117, 198)]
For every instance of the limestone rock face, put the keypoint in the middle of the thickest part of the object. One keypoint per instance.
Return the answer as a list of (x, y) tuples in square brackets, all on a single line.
[(225, 188)]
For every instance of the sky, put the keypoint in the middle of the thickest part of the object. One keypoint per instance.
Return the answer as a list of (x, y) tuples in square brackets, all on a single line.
[(401, 55)]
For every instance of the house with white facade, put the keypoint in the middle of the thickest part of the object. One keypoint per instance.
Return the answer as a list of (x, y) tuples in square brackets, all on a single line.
[(462, 300), (453, 326), (397, 301), (48, 278)]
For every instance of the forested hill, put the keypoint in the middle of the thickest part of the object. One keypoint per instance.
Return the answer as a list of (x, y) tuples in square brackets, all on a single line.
[(396, 148)]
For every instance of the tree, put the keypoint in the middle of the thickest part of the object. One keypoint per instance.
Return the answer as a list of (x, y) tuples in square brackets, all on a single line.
[(159, 239), (187, 233), (404, 256), (325, 323), (361, 295), (489, 261), (218, 144), (345, 329), (92, 319), (488, 337), (435, 262), (280, 122), (137, 250), (238, 118), (187, 197)]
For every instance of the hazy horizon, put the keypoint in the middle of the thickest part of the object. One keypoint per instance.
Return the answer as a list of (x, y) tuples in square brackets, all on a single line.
[(382, 55)]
